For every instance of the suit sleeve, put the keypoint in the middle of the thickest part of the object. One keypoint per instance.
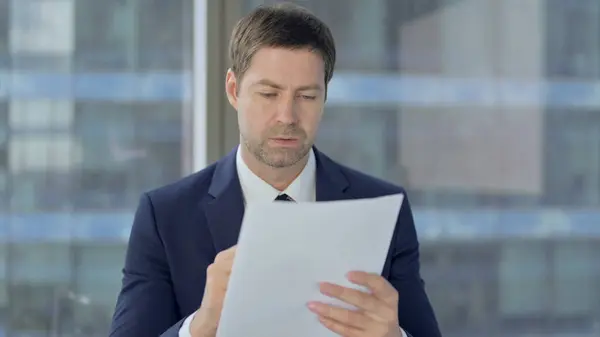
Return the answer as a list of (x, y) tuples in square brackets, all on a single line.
[(146, 303), (415, 314)]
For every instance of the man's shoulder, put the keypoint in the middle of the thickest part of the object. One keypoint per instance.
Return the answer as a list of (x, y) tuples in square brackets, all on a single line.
[(363, 185)]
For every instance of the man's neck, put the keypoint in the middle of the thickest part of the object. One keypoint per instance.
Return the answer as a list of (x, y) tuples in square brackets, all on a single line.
[(279, 178)]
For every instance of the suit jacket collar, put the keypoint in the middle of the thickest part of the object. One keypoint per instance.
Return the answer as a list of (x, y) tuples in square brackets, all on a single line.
[(226, 210)]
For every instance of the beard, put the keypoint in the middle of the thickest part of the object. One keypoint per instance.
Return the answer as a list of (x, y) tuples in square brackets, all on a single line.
[(279, 157)]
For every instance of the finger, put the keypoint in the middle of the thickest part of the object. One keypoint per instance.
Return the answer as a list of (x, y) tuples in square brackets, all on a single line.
[(351, 318), (351, 296), (380, 287), (373, 307), (339, 328), (218, 271), (216, 277), (226, 255)]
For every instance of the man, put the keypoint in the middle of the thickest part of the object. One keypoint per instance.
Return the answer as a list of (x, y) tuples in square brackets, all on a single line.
[(183, 239)]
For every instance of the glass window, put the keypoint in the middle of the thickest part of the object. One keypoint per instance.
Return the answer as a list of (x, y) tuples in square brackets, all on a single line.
[(40, 274), (126, 149), (4, 164), (336, 137), (40, 34), (460, 283), (35, 152), (40, 192), (4, 33), (573, 158), (78, 148), (573, 33), (98, 271), (575, 273), (43, 115), (40, 263), (4, 274), (105, 35), (523, 269), (163, 29), (31, 307), (97, 283)]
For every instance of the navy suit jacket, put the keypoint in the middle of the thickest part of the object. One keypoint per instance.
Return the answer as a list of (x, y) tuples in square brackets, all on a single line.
[(178, 230)]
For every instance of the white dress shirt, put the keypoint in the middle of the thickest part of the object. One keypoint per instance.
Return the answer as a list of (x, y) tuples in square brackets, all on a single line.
[(302, 189)]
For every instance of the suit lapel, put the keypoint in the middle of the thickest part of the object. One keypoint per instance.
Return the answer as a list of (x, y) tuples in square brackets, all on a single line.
[(225, 212), (332, 184)]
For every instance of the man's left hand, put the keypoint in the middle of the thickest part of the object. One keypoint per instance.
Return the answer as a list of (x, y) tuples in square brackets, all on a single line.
[(376, 314)]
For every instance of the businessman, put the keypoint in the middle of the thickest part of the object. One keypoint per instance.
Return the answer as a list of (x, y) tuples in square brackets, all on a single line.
[(182, 242)]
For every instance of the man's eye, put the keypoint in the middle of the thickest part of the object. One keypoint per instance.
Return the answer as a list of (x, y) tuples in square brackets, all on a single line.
[(308, 97), (268, 94)]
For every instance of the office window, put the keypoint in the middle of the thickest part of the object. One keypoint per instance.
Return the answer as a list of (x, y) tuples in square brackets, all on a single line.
[(98, 276), (41, 27), (4, 34), (105, 34), (4, 129), (572, 39), (461, 280), (4, 274), (576, 278), (523, 273), (83, 157), (31, 307), (40, 192), (164, 28), (336, 137), (37, 308), (44, 263), (31, 152), (40, 275), (40, 155), (41, 115), (4, 179), (98, 272), (41, 34), (111, 158), (572, 157), (127, 149), (4, 282)]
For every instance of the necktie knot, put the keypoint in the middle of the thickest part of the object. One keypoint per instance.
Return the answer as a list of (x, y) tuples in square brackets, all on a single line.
[(284, 197)]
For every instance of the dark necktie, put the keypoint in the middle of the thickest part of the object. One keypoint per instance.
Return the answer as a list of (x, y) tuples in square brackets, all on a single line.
[(284, 197)]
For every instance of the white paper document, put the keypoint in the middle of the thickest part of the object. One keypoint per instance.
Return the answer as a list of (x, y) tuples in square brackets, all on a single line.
[(285, 249)]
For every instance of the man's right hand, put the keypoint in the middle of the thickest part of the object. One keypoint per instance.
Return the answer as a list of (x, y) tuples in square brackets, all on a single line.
[(206, 318)]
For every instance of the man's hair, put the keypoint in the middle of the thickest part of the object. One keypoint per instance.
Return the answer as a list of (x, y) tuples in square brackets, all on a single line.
[(283, 25)]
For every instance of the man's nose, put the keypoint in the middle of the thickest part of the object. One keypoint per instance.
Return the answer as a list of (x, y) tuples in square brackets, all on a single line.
[(286, 110)]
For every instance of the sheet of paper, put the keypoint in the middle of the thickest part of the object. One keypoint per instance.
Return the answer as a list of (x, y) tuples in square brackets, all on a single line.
[(285, 249)]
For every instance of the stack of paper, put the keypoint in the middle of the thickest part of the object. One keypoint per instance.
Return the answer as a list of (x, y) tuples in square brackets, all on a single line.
[(285, 249)]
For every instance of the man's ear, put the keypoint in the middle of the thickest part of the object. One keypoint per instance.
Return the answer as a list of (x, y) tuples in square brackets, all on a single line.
[(231, 88)]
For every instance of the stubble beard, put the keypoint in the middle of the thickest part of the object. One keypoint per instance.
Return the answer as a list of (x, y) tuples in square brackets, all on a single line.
[(276, 157)]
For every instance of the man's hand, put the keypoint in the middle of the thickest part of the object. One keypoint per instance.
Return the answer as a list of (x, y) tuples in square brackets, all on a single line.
[(206, 319), (376, 314)]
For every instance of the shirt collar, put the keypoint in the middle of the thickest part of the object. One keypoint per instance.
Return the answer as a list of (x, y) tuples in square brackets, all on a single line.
[(302, 189)]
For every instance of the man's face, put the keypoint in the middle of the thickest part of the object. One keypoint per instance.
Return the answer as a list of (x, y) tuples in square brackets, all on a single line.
[(279, 102)]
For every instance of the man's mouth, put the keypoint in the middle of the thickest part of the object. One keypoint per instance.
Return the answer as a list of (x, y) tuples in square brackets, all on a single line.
[(284, 141)]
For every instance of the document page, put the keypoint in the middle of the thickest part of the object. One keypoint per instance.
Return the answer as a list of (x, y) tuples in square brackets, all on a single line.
[(285, 249)]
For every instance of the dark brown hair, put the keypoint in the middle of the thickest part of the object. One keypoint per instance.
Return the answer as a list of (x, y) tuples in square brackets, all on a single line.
[(282, 25)]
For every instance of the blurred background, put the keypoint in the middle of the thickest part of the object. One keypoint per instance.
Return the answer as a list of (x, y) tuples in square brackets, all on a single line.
[(487, 111)]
